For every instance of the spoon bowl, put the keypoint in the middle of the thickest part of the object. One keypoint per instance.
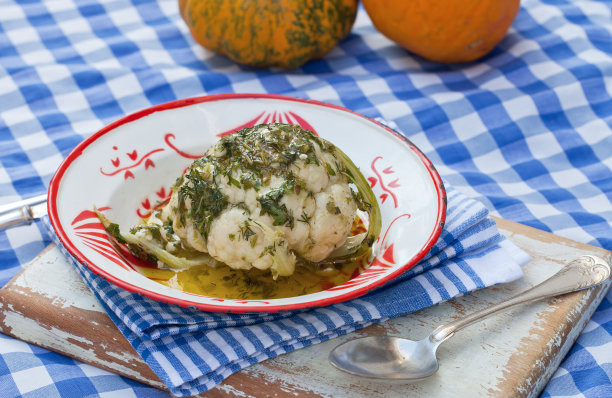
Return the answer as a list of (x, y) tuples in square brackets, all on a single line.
[(401, 360), (386, 357)]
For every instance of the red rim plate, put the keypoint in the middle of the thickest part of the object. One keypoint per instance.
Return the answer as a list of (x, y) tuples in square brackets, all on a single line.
[(73, 250)]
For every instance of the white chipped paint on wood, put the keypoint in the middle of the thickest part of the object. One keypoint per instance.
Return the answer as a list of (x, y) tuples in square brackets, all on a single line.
[(474, 363), (557, 346), (59, 340), (53, 284), (234, 392), (583, 312), (29, 330)]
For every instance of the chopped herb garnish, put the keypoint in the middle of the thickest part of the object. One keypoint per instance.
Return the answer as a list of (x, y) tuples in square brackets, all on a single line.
[(152, 229), (113, 229), (270, 204), (243, 206), (245, 230), (305, 218), (234, 182), (271, 249), (207, 201), (168, 227), (332, 208), (259, 152)]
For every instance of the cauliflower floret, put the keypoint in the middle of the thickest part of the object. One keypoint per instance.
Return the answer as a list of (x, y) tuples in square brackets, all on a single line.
[(189, 235), (244, 242), (331, 222), (261, 196)]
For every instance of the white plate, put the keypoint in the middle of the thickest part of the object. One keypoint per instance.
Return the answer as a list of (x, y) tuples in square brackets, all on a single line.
[(129, 165)]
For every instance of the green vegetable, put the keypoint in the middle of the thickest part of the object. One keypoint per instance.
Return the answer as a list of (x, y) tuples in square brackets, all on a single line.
[(151, 252)]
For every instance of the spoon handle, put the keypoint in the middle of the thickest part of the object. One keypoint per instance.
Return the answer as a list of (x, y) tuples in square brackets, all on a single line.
[(583, 272)]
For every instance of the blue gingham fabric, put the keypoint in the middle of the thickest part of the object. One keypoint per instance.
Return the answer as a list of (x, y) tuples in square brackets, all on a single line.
[(526, 130), (191, 351)]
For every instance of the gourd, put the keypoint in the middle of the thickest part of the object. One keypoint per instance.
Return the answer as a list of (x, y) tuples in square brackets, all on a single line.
[(283, 33), (447, 31)]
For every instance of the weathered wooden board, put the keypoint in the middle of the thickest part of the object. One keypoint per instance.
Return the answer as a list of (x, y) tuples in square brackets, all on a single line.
[(511, 354)]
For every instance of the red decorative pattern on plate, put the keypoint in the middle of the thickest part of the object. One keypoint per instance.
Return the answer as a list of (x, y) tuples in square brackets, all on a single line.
[(386, 187), (169, 136), (146, 208), (90, 230), (127, 173), (272, 117)]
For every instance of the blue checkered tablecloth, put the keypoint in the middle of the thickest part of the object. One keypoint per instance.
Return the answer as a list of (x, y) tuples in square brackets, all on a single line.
[(528, 130)]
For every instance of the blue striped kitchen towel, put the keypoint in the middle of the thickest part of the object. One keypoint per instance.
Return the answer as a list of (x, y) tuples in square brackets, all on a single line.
[(192, 351)]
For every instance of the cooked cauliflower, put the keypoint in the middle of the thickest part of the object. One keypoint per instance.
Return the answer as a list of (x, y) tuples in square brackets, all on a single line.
[(263, 198)]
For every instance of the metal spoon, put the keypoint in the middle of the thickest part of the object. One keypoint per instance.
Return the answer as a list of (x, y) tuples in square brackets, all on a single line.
[(403, 360)]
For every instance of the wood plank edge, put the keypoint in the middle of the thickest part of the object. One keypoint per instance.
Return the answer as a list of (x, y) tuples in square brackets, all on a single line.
[(87, 336), (570, 338)]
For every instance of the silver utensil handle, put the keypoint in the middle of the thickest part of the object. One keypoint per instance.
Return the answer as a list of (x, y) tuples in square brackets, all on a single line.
[(583, 272), (14, 217), (22, 212)]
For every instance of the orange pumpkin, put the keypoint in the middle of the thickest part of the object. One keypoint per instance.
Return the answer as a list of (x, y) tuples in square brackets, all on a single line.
[(444, 30), (284, 33)]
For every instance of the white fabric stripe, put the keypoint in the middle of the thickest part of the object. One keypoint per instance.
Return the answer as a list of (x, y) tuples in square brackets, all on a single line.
[(202, 352), (164, 363), (431, 291), (224, 346), (463, 277), (450, 286)]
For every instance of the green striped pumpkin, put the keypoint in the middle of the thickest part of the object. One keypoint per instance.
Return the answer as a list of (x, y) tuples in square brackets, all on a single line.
[(283, 33)]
